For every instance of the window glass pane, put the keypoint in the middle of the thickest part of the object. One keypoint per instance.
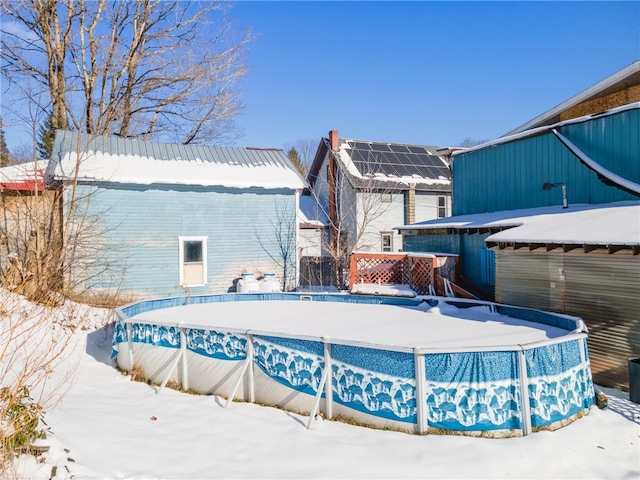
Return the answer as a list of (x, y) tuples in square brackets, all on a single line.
[(192, 251), (442, 207), (386, 242)]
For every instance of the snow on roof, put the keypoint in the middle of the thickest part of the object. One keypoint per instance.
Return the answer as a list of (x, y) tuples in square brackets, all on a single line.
[(114, 159), (391, 162), (311, 213), (544, 129), (23, 176), (622, 79), (615, 223)]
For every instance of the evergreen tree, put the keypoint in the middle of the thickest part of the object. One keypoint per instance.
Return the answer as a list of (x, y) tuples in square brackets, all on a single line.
[(4, 151), (294, 158), (46, 134)]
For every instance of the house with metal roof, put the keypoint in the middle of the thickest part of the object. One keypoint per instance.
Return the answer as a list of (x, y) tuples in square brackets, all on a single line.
[(154, 219), (23, 177), (366, 188), (27, 206), (549, 218)]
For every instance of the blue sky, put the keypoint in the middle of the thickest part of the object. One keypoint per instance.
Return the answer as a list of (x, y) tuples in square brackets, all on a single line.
[(431, 73)]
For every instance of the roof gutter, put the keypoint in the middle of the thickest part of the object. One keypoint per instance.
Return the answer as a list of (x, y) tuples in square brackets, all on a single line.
[(602, 172)]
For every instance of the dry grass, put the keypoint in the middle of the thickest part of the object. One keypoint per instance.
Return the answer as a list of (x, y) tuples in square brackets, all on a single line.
[(34, 342)]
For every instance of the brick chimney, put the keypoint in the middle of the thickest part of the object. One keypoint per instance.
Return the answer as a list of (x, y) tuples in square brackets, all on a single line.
[(333, 139)]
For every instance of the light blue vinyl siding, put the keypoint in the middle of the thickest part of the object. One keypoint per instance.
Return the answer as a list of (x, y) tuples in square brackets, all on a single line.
[(510, 175), (141, 226)]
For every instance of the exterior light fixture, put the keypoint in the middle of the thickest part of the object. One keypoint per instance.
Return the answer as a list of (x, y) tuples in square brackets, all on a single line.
[(549, 186)]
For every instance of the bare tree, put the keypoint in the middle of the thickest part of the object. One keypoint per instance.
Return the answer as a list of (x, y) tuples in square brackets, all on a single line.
[(166, 70), (468, 142), (359, 204), (54, 243), (38, 357), (280, 243)]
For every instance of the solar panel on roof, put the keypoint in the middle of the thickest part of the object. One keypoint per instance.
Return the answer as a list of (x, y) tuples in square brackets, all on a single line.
[(358, 156), (360, 145), (398, 148), (395, 160), (380, 147), (403, 171), (405, 158), (414, 149)]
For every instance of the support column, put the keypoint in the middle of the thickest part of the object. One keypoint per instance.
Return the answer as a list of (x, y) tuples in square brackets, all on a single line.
[(525, 409)]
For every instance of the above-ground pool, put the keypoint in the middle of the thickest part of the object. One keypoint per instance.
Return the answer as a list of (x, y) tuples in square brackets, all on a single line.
[(424, 364)]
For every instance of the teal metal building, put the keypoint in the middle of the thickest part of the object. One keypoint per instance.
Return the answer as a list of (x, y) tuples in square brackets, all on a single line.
[(584, 163), (588, 160), (509, 173)]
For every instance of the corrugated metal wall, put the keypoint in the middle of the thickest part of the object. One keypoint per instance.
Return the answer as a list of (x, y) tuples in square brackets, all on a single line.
[(444, 243), (602, 289), (471, 245), (468, 245), (509, 176)]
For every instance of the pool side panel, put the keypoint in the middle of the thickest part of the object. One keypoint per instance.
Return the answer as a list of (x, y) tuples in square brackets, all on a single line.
[(559, 385), (472, 393)]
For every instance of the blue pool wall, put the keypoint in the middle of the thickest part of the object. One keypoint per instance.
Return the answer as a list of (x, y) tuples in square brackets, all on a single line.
[(476, 392)]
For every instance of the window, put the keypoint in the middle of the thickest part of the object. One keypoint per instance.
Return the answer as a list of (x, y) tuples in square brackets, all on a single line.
[(193, 261), (442, 206), (386, 197), (387, 242)]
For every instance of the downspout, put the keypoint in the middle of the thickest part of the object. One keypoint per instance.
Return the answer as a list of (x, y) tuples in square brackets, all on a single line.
[(333, 204), (410, 205)]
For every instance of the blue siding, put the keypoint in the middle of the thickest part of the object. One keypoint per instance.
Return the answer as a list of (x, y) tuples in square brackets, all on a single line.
[(468, 246), (140, 226), (488, 266), (471, 261), (509, 176), (441, 243)]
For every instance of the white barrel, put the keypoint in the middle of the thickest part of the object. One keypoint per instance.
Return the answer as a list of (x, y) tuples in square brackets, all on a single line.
[(248, 284), (269, 283)]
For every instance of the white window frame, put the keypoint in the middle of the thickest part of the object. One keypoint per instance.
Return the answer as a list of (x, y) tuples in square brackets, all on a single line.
[(386, 234), (444, 200), (192, 238)]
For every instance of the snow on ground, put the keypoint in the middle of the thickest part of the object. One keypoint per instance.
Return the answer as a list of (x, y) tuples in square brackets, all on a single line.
[(108, 426)]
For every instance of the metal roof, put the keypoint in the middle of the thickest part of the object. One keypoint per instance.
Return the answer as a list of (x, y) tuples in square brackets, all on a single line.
[(115, 159), (23, 176), (620, 80), (616, 223)]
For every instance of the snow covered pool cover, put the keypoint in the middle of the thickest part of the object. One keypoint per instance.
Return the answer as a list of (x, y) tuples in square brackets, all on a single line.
[(443, 326), (428, 364)]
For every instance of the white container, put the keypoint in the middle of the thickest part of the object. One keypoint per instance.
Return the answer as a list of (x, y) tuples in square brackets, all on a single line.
[(248, 284), (269, 284)]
